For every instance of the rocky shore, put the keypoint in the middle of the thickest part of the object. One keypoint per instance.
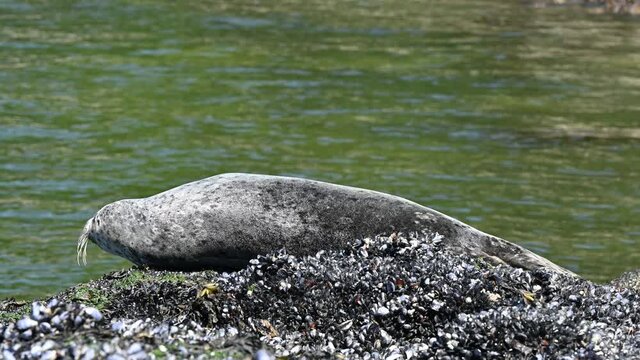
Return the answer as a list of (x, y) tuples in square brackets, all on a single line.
[(395, 297)]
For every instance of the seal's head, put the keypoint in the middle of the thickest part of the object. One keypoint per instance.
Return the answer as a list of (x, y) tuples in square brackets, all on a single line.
[(91, 232), (104, 230)]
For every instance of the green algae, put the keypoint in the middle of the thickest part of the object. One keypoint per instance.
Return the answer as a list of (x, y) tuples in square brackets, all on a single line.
[(10, 313)]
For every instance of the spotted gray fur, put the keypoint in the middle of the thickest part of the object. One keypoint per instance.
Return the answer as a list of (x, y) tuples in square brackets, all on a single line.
[(223, 221)]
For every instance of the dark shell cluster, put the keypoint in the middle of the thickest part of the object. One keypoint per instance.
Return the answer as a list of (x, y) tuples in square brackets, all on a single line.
[(397, 297), (32, 336)]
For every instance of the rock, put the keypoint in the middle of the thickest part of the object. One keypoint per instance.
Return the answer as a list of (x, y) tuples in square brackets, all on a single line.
[(49, 355), (94, 313), (39, 312), (89, 354), (25, 324), (263, 354), (44, 327), (382, 311), (341, 304), (26, 335)]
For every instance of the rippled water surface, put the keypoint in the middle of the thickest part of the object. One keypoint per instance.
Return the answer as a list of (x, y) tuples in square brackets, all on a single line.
[(522, 121)]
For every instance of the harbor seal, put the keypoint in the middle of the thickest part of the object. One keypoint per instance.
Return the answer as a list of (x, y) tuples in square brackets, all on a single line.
[(224, 221)]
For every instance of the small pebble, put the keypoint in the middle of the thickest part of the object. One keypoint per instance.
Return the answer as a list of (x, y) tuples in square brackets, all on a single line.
[(89, 354), (53, 303), (78, 320), (49, 355), (56, 321), (94, 313), (134, 348), (263, 354), (39, 312), (382, 311), (26, 335), (26, 323), (45, 327)]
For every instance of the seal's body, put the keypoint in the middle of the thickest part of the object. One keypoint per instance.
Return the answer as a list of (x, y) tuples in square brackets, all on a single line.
[(223, 221)]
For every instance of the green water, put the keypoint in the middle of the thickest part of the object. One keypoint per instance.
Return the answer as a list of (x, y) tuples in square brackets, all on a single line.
[(523, 122)]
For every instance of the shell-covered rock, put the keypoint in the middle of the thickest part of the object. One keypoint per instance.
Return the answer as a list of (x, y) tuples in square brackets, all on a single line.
[(396, 297)]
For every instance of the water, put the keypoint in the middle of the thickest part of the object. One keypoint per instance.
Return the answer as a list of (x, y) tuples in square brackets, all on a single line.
[(523, 122)]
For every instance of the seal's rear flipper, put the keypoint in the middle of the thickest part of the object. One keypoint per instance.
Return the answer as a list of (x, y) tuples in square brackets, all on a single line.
[(517, 256)]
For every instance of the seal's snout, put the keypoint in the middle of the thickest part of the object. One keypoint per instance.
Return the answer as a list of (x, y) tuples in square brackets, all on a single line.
[(83, 241)]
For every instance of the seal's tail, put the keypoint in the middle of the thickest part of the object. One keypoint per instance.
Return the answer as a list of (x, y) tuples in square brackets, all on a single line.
[(83, 242)]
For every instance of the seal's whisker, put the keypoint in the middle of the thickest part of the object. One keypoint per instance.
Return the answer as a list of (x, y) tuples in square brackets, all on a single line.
[(81, 249), (83, 242), (84, 252)]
